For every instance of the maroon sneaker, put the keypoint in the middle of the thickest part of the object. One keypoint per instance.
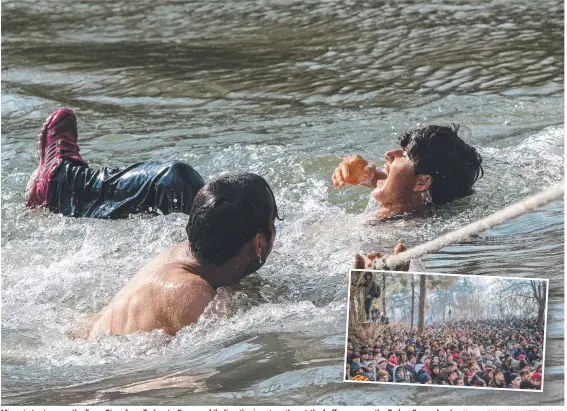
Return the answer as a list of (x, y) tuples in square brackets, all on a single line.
[(57, 142)]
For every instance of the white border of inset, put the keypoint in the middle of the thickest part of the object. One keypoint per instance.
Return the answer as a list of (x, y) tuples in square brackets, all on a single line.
[(448, 275)]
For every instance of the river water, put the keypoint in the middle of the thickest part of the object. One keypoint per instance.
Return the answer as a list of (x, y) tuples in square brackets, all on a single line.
[(284, 89)]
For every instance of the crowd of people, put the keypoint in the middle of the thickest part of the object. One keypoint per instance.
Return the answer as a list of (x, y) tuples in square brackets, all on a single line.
[(475, 353)]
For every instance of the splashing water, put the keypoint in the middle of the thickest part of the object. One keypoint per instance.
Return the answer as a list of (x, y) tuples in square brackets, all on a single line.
[(233, 88)]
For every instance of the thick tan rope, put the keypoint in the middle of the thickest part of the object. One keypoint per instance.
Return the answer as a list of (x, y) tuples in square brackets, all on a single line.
[(554, 193)]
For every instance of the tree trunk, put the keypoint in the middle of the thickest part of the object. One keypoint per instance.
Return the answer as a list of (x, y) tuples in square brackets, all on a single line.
[(384, 295), (357, 315), (412, 301), (361, 332), (541, 306), (421, 320), (540, 318)]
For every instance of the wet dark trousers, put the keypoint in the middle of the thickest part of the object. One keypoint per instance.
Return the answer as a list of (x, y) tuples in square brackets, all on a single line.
[(147, 187)]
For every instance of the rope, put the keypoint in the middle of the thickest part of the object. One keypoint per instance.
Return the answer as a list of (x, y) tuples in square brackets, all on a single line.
[(515, 210)]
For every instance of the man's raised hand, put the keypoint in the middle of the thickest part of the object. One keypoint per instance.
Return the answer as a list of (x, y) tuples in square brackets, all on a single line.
[(354, 170)]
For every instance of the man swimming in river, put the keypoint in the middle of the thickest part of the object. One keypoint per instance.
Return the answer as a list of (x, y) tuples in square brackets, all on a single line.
[(433, 166), (230, 233), (64, 183)]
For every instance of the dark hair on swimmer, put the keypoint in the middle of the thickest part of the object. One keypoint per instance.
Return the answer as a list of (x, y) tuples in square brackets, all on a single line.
[(439, 152), (227, 213)]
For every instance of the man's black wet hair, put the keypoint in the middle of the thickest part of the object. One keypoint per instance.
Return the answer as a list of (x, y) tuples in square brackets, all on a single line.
[(439, 152), (227, 213)]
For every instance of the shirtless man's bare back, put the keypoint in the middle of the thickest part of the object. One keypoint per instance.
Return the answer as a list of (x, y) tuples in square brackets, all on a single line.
[(230, 232)]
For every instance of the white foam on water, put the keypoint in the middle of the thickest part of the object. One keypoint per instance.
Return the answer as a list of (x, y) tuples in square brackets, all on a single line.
[(63, 270)]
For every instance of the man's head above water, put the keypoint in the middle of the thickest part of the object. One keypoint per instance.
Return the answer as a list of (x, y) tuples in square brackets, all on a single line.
[(433, 165), (442, 162), (232, 224), (231, 233)]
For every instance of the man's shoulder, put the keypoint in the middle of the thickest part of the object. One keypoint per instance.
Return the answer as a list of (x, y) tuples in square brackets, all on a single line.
[(177, 277), (183, 295), (177, 252)]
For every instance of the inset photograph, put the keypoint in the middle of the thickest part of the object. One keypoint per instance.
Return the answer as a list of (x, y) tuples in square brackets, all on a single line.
[(445, 329)]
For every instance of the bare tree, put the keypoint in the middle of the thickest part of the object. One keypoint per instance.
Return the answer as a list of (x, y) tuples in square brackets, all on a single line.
[(522, 296), (412, 301), (435, 282), (422, 292), (540, 293), (384, 294)]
